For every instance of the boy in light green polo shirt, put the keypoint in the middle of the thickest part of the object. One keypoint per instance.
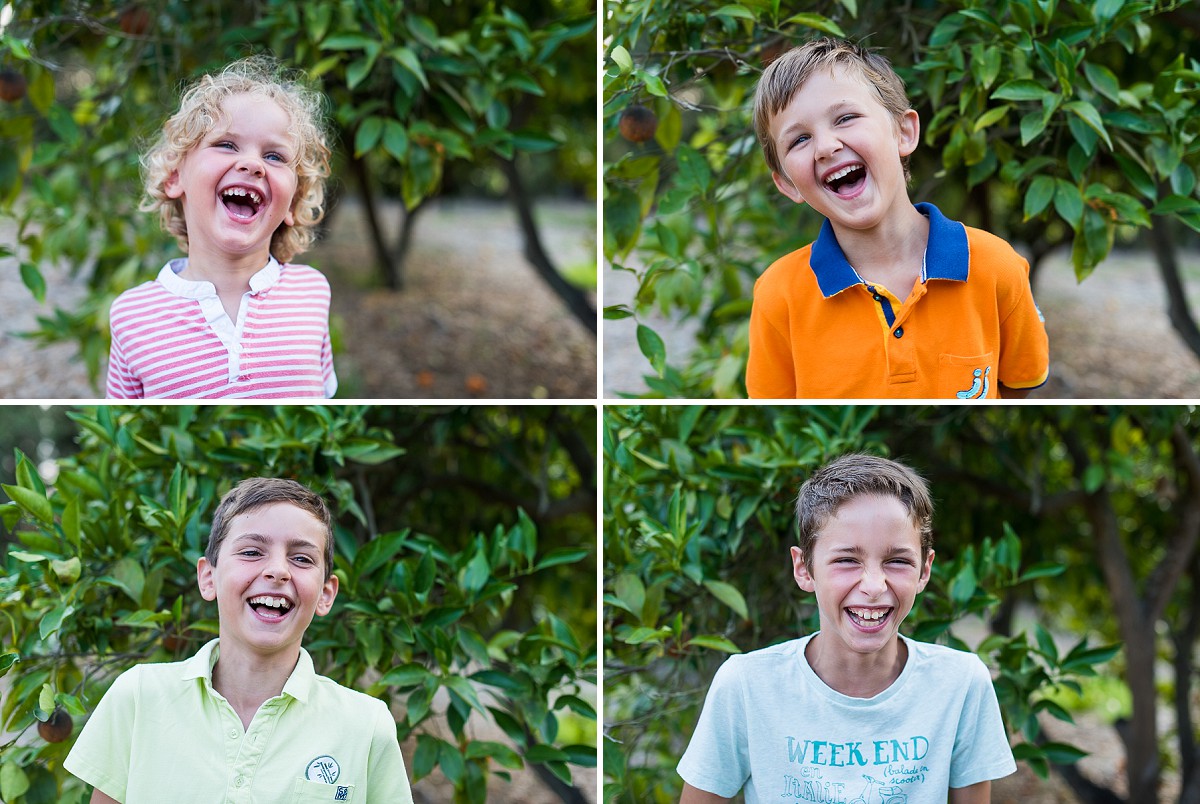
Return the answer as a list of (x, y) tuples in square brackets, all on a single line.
[(247, 719)]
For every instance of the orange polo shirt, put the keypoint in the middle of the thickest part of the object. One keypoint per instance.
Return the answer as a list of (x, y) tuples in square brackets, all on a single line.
[(818, 330)]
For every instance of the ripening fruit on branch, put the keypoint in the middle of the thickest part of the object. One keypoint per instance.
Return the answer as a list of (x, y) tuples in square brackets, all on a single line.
[(57, 728), (135, 20), (638, 124), (12, 86)]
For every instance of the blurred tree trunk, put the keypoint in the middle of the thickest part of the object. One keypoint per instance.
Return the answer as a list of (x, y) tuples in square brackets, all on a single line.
[(389, 261), (1137, 613), (1178, 311), (1184, 642), (574, 298)]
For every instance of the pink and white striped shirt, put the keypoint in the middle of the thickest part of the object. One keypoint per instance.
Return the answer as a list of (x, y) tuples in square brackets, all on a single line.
[(172, 339)]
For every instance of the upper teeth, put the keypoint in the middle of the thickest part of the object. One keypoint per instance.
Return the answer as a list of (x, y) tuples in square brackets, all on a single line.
[(869, 614), (273, 602), (846, 171), (255, 197)]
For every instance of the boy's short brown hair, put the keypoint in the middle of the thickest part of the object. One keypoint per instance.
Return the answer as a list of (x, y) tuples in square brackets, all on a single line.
[(849, 476), (785, 75), (258, 492)]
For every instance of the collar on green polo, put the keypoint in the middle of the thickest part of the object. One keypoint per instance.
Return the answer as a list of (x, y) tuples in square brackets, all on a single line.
[(298, 685), (946, 254)]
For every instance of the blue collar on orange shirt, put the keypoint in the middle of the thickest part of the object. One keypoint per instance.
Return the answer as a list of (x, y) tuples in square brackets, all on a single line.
[(946, 254)]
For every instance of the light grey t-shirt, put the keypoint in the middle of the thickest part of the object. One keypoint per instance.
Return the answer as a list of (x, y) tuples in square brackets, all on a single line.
[(772, 728)]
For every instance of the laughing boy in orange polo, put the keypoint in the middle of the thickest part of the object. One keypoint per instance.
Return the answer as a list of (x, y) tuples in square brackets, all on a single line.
[(892, 300)]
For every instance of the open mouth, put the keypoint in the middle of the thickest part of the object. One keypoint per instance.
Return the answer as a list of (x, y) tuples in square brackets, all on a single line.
[(869, 619), (270, 607), (242, 202), (848, 180)]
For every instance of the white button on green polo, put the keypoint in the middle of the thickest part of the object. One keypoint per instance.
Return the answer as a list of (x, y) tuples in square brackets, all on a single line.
[(162, 733)]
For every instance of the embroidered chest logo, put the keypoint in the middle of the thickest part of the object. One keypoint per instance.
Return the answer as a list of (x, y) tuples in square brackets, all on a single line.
[(324, 769), (979, 388), (343, 794)]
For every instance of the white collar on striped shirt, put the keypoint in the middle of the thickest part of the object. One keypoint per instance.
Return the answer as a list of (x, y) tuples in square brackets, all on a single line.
[(189, 289)]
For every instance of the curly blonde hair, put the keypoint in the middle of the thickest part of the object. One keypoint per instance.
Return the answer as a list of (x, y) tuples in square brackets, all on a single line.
[(200, 110)]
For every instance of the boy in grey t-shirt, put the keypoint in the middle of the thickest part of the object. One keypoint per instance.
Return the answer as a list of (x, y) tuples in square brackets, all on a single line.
[(855, 712)]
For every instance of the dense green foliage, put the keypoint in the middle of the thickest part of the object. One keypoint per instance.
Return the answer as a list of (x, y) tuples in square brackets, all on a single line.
[(698, 518), (1047, 122), (464, 554), (414, 91)]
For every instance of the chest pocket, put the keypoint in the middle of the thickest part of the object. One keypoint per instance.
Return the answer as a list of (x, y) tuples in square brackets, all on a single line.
[(306, 792)]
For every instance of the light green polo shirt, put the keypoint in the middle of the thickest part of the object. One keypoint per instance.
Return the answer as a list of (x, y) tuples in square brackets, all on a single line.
[(162, 733)]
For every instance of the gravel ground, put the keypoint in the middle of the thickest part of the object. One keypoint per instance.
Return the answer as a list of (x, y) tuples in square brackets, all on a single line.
[(28, 371), (1109, 336), (473, 321)]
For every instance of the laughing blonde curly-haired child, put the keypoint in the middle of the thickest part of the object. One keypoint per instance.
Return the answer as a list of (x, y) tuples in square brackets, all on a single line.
[(237, 175)]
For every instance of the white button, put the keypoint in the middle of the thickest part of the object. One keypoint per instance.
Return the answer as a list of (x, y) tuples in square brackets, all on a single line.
[(239, 781)]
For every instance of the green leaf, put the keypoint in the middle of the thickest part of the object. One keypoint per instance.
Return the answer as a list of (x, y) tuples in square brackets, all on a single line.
[(53, 620), (1046, 644), (1044, 569), (728, 595), (426, 756), (1068, 202), (33, 280), (991, 116), (654, 84), (652, 347), (368, 134), (504, 756), (347, 42), (46, 699), (31, 502), (1104, 10), (13, 781), (477, 573), (1103, 80), (465, 690), (379, 551), (561, 555), (409, 61), (964, 585), (733, 10), (620, 56), (713, 642), (67, 571), (130, 578), (616, 312), (358, 70), (1020, 90), (693, 168), (630, 590), (1032, 125), (1088, 114), (1137, 176), (1172, 204), (7, 660), (1038, 196), (817, 22), (1062, 754), (406, 676)]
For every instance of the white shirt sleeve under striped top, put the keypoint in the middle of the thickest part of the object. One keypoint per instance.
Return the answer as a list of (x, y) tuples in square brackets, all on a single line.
[(172, 339)]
